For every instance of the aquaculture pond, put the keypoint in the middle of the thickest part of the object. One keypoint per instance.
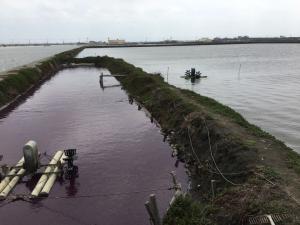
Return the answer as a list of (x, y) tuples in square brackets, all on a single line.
[(11, 57), (260, 81), (121, 155)]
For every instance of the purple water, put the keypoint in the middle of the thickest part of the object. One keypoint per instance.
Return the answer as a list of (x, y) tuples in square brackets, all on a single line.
[(121, 155)]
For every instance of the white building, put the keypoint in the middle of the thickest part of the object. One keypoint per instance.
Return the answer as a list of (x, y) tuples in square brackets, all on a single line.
[(116, 41)]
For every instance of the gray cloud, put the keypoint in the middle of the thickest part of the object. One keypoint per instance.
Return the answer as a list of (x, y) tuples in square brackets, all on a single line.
[(72, 20)]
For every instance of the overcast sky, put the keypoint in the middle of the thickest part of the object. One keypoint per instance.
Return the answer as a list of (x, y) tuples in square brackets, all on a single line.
[(133, 20)]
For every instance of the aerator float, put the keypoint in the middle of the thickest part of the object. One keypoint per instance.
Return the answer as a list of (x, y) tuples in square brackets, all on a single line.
[(193, 75), (61, 165)]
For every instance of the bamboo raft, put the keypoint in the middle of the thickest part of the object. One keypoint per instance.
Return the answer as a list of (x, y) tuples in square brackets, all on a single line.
[(61, 163)]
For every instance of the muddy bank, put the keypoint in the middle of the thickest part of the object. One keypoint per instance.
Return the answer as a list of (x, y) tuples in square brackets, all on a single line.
[(14, 83), (253, 173)]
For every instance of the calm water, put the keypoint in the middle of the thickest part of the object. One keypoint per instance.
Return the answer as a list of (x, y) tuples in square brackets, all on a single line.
[(121, 156), (266, 92), (11, 57)]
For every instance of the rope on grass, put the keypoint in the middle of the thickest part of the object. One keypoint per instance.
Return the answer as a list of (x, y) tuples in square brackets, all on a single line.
[(213, 159), (210, 169)]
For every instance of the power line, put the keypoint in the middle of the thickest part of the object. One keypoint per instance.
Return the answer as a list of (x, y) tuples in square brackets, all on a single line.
[(211, 153), (209, 167)]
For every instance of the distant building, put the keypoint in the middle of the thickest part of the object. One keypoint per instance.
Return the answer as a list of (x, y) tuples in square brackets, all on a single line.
[(93, 43), (243, 38), (116, 41), (205, 40), (96, 43)]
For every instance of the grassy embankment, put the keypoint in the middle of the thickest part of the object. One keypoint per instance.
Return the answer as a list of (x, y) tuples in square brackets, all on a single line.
[(19, 81), (255, 173)]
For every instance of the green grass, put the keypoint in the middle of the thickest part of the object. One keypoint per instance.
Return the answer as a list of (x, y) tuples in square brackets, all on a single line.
[(270, 173), (18, 83), (219, 108), (185, 211), (294, 161)]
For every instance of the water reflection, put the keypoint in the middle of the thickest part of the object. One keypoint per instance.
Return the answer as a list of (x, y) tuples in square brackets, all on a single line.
[(101, 81), (72, 188), (109, 86)]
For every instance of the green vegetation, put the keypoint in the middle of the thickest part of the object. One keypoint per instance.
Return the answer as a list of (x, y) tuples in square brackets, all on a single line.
[(186, 211), (294, 161), (270, 174), (21, 80), (226, 111)]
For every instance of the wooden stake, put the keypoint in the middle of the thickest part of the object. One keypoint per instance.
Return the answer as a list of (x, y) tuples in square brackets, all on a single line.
[(148, 208), (101, 80), (154, 209), (212, 182)]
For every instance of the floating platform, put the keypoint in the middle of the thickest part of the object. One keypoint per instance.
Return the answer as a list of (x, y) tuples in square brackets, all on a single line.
[(29, 165)]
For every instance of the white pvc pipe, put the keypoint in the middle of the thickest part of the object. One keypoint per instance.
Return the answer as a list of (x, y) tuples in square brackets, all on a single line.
[(270, 219), (12, 183), (176, 195), (42, 181), (51, 180), (6, 180)]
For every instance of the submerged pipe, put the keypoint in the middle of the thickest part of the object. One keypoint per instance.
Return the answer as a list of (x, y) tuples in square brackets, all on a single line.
[(51, 180), (12, 183), (12, 172), (42, 181)]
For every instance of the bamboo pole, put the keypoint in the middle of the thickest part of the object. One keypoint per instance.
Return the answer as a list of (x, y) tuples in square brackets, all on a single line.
[(12, 183), (52, 177), (42, 181), (7, 179)]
